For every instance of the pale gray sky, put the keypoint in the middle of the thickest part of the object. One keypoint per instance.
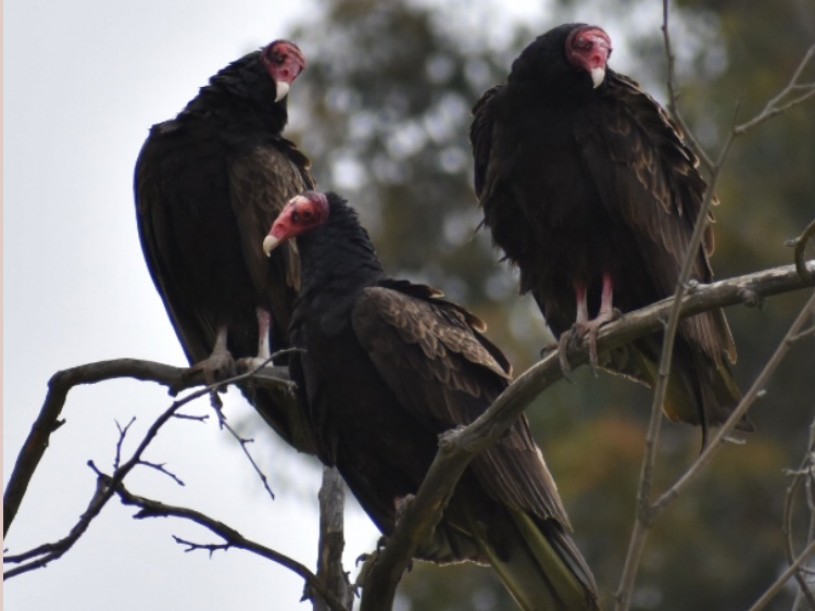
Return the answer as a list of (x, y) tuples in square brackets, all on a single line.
[(83, 81)]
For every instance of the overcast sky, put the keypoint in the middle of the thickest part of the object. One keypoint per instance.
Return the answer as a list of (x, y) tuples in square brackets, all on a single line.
[(83, 81)]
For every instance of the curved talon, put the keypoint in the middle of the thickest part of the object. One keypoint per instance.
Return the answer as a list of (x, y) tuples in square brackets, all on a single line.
[(251, 363), (590, 338), (368, 561), (217, 366), (548, 349), (562, 349)]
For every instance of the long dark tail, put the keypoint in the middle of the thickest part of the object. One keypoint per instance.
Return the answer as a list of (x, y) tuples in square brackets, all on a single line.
[(700, 391), (539, 563)]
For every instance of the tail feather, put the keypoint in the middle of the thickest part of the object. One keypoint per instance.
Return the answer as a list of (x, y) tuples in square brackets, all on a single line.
[(538, 563), (700, 391)]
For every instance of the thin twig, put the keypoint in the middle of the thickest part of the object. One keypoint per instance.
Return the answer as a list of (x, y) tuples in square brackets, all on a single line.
[(754, 392), (711, 449), (801, 475), (149, 508), (778, 584), (800, 244), (40, 556), (774, 106), (162, 469), (673, 93), (122, 434), (645, 510), (244, 442), (175, 379)]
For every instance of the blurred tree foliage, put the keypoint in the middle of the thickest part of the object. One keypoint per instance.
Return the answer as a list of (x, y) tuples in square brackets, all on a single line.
[(383, 111)]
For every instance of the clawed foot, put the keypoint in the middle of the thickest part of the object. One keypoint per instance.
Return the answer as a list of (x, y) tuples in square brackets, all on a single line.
[(566, 339), (368, 561), (217, 366), (401, 505), (251, 363), (587, 331)]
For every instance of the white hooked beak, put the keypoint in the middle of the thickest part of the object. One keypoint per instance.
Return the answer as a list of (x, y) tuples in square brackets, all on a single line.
[(269, 244), (598, 75), (282, 88)]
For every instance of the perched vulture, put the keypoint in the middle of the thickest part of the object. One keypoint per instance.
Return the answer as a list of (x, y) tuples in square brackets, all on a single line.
[(207, 185), (387, 366), (590, 190)]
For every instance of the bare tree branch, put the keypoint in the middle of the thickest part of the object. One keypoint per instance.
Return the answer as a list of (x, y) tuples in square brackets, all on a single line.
[(108, 485), (458, 447), (775, 588), (646, 510), (777, 104), (802, 476), (175, 379), (755, 391), (40, 556), (149, 508), (673, 93), (800, 244), (244, 442), (332, 540)]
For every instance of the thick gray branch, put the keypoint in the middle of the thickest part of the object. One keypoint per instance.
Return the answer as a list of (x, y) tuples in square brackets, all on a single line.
[(332, 540), (458, 447)]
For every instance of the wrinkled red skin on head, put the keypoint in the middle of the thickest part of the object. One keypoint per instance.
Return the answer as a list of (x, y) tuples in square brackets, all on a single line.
[(283, 60), (588, 47), (301, 214)]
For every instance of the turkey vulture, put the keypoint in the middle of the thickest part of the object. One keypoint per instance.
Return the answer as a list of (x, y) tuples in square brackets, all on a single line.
[(589, 188), (387, 366), (207, 184)]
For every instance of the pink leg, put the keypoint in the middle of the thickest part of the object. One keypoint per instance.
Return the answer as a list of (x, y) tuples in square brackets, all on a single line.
[(590, 328), (581, 294), (581, 318), (264, 325), (261, 359), (606, 313), (218, 365), (251, 363), (585, 327)]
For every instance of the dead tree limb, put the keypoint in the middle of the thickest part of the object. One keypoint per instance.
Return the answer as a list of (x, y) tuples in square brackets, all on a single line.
[(48, 420), (332, 540), (149, 508), (458, 447)]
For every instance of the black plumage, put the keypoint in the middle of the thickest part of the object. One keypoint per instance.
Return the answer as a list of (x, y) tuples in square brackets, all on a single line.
[(590, 190), (207, 184), (387, 366)]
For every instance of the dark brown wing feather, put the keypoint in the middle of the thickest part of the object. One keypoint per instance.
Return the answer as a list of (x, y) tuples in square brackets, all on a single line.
[(494, 158), (443, 371), (164, 185), (481, 137), (261, 182), (202, 218), (647, 175)]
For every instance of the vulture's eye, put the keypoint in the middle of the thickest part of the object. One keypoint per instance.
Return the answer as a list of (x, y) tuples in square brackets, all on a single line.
[(307, 215)]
